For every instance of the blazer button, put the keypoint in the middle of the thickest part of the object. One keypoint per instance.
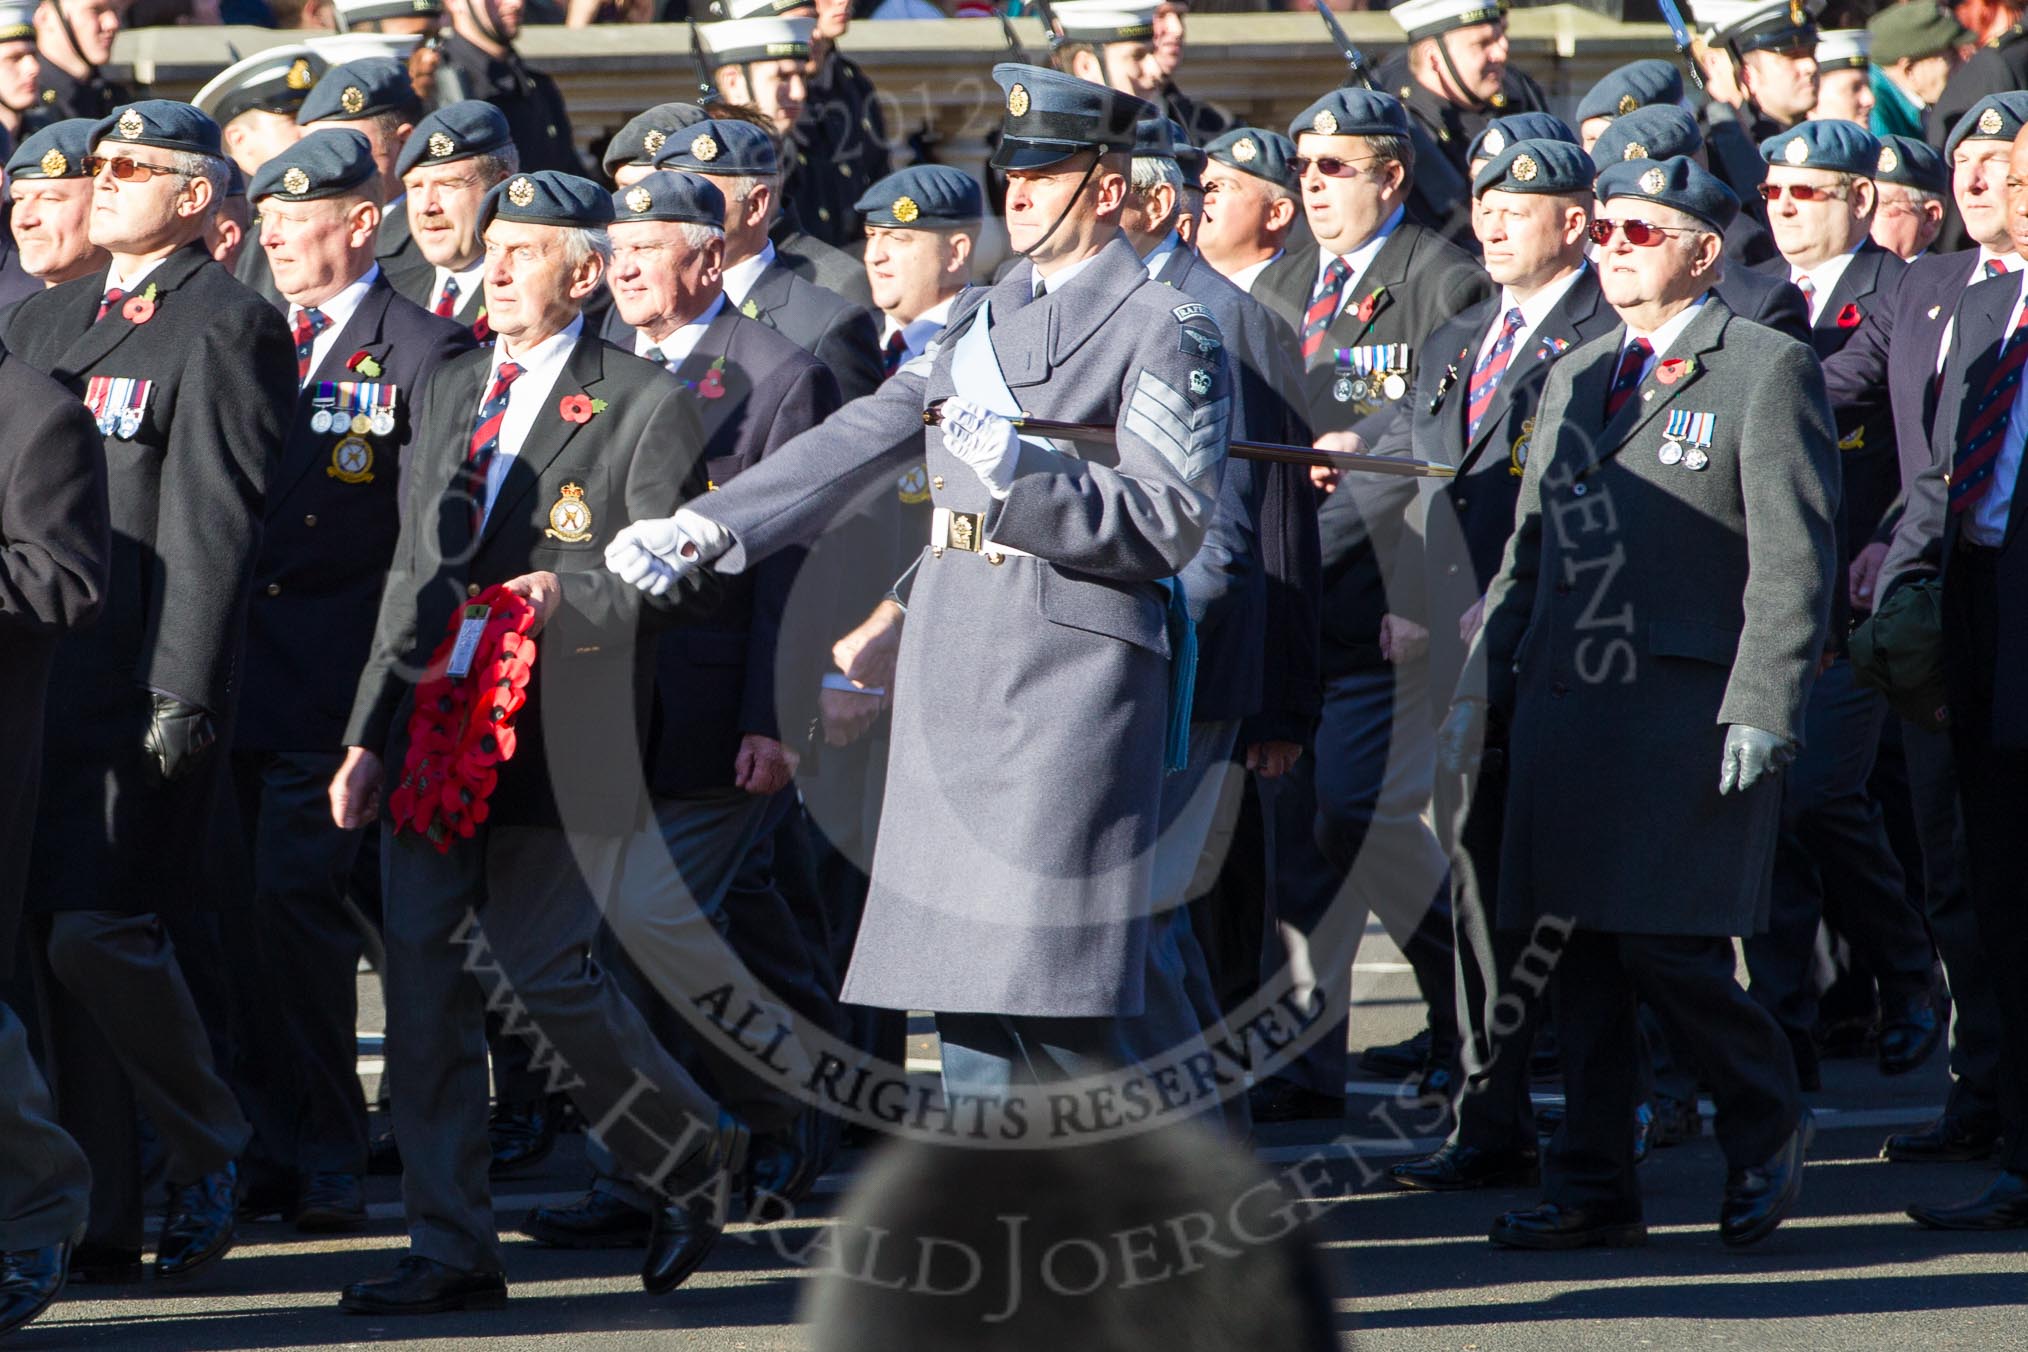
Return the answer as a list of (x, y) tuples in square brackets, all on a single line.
[(472, 589), (1558, 689), (1577, 490), (937, 482), (1461, 504), (310, 520), (274, 589), (1451, 571)]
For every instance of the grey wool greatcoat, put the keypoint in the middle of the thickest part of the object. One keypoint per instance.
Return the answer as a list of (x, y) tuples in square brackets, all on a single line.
[(186, 487), (1641, 608), (1013, 870)]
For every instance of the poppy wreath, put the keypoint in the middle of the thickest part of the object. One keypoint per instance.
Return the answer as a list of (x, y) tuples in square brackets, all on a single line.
[(462, 730)]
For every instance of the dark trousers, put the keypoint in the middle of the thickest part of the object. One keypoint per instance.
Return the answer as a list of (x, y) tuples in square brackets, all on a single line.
[(1733, 1044), (298, 967), (123, 1031), (1501, 992), (1833, 844), (1993, 788), (45, 1184)]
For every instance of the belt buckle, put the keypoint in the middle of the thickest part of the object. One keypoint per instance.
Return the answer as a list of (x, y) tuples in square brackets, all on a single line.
[(966, 530)]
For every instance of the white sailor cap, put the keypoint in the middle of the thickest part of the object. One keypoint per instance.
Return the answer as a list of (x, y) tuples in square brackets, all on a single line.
[(1427, 18), (1843, 48), (735, 42), (347, 13), (755, 9), (1101, 21), (1710, 17), (17, 20), (274, 79)]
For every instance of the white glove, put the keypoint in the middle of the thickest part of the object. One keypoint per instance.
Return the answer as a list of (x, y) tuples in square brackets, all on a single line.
[(984, 440), (655, 555)]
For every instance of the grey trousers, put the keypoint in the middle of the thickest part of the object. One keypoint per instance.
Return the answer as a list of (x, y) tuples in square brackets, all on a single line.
[(45, 1184), (517, 908), (123, 1030)]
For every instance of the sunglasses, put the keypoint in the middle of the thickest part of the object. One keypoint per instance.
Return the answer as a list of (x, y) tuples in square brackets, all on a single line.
[(1640, 234), (1330, 166), (125, 170), (1801, 192)]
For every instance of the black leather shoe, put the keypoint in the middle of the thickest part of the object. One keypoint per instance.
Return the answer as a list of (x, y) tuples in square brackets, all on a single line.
[(29, 1281), (2003, 1206), (1757, 1199), (200, 1222), (424, 1286), (1951, 1139), (1675, 1122), (1456, 1168), (332, 1203), (1551, 1226), (522, 1134), (686, 1228), (383, 1155), (1909, 1032), (1397, 1060), (105, 1265), (597, 1220), (1278, 1100), (271, 1197)]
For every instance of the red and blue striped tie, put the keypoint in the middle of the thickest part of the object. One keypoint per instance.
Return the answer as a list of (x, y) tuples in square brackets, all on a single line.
[(1324, 306), (1486, 375), (486, 439), (1979, 446), (304, 328), (1996, 267), (1628, 378)]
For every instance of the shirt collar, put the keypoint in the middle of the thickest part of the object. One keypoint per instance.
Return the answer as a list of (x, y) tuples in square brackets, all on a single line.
[(467, 277), (1362, 257), (741, 276), (1244, 278), (547, 355), (1061, 278), (2011, 262), (1824, 278), (1538, 306), (1662, 339), (127, 285), (916, 334), (1158, 257), (340, 308), (684, 337)]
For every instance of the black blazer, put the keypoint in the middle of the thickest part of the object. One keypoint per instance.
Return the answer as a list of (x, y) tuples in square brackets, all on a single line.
[(55, 561), (581, 731), (836, 332), (716, 680), (328, 534), (1766, 300)]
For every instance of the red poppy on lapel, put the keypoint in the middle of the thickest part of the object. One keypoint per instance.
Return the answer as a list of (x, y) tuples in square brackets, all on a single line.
[(1849, 317), (1674, 369), (1368, 306), (140, 309), (576, 408)]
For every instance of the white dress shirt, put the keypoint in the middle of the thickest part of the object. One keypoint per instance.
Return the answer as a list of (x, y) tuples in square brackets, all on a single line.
[(683, 341), (741, 276), (1823, 280), (130, 286), (471, 281), (339, 309), (1986, 519), (2007, 262), (1358, 260), (1533, 311), (1058, 279), (920, 332), (1158, 257), (530, 397), (1248, 275), (1663, 338)]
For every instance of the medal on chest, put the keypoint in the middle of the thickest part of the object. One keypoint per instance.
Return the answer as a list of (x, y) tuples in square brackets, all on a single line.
[(1370, 373), (1686, 437), (118, 404)]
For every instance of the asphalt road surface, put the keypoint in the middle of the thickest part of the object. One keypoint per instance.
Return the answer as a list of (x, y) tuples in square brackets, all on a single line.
[(1410, 1272)]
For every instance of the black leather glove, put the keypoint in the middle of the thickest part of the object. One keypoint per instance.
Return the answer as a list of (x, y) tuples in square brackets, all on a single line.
[(179, 736)]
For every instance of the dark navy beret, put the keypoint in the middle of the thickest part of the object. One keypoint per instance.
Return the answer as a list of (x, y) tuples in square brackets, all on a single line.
[(671, 195), (1051, 116), (642, 139), (1257, 151), (1996, 117), (235, 180), (1675, 182), (1660, 132), (57, 151), (548, 197), (721, 146), (1638, 84), (1502, 132), (1913, 164), (1556, 167), (924, 196), (367, 87), (1830, 143), (1352, 112), (161, 123), (456, 131), (327, 163)]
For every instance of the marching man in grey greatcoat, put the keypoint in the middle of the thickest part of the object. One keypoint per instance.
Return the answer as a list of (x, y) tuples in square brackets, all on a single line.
[(1651, 637), (1013, 875)]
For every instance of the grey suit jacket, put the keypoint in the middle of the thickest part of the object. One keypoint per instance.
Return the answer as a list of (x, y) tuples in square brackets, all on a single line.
[(1643, 606)]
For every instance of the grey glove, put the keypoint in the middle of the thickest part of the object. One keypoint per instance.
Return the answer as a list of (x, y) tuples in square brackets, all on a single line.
[(1462, 736), (1752, 754), (179, 736)]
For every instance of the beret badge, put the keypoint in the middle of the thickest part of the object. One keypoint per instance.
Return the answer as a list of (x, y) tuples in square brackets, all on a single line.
[(905, 209), (1017, 100), (652, 141), (704, 148), (521, 192), (55, 164), (441, 145), (295, 182), (1495, 141), (1797, 151), (131, 125), (1244, 150), (1654, 181), (639, 200), (1524, 168), (1989, 121), (1325, 123), (1635, 151), (1627, 104), (1889, 161), (353, 100)]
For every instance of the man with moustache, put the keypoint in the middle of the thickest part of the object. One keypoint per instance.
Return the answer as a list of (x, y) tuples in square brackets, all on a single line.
[(1475, 409), (363, 355), (1251, 207), (1897, 355), (452, 160), (1682, 428)]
